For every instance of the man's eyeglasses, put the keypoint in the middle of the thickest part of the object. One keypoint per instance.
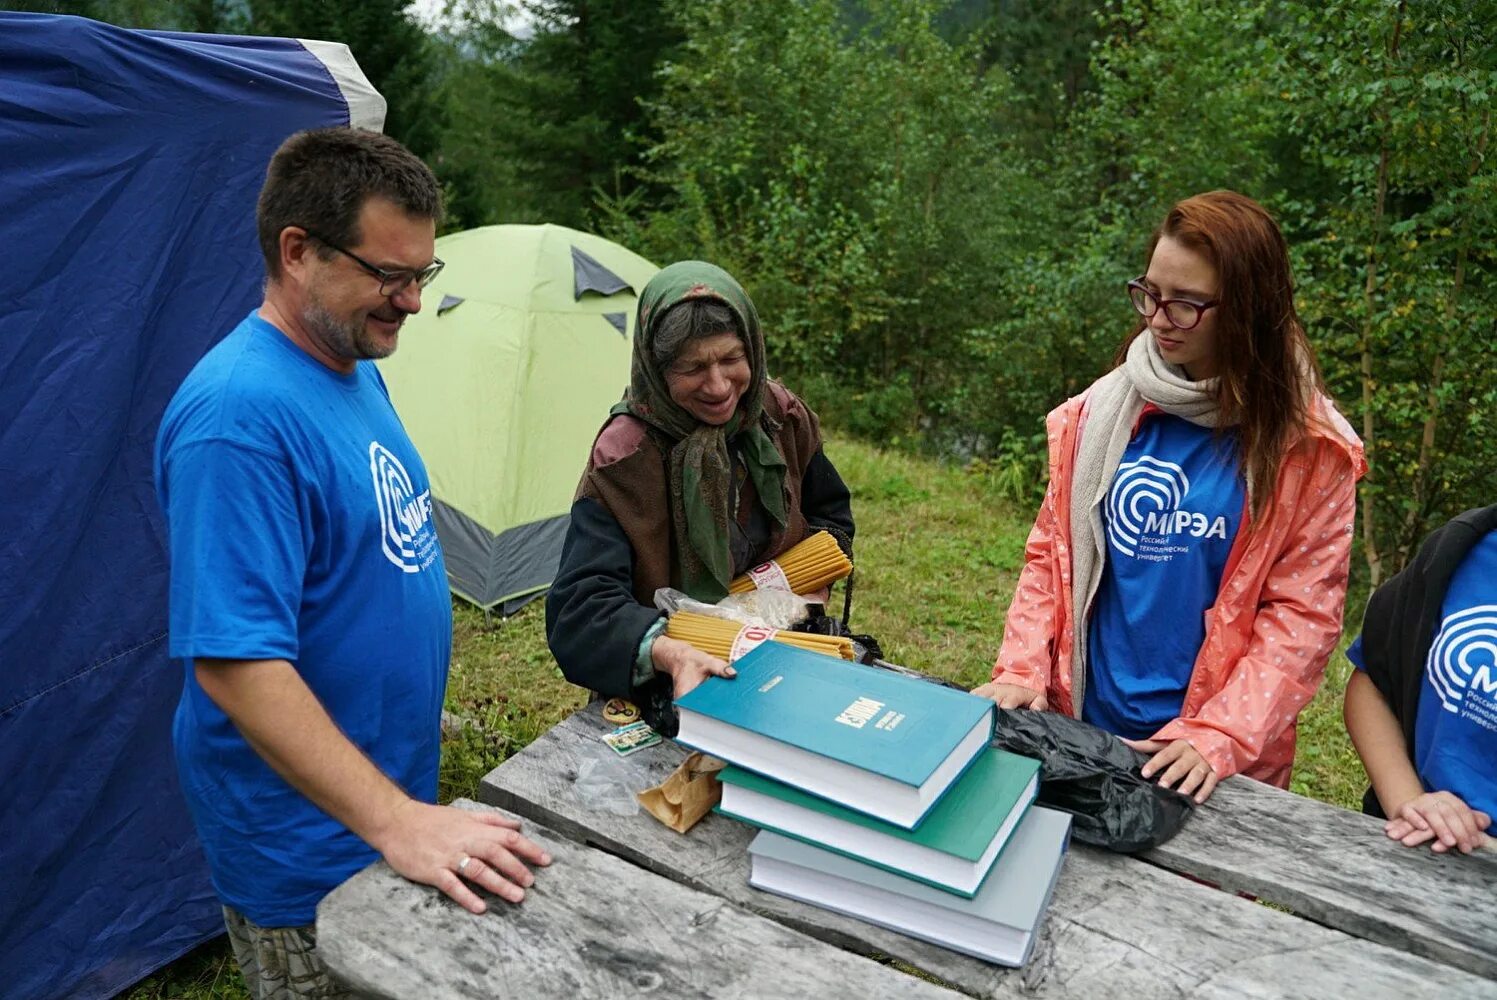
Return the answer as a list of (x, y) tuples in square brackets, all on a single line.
[(1183, 314), (390, 282)]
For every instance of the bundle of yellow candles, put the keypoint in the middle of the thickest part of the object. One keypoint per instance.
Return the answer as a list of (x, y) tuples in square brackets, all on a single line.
[(729, 640), (805, 567)]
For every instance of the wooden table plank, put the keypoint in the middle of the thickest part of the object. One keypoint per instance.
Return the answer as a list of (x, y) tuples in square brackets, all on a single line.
[(591, 926), (1337, 868), (1118, 927)]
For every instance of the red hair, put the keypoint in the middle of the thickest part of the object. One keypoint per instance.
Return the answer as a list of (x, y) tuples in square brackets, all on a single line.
[(1266, 367)]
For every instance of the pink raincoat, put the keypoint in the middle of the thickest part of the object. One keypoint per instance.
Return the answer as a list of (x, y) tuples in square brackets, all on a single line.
[(1271, 630)]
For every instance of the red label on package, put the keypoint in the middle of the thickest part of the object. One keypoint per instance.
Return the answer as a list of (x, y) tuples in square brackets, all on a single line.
[(747, 638), (769, 576)]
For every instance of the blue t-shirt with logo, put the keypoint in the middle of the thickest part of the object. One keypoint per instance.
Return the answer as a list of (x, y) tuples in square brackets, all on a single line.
[(299, 525), (1455, 728), (1170, 518)]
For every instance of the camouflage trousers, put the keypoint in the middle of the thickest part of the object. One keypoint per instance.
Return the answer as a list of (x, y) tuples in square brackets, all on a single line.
[(280, 963)]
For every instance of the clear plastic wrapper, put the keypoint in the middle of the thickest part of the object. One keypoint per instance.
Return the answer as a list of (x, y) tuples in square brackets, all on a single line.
[(604, 784), (774, 608), (771, 608)]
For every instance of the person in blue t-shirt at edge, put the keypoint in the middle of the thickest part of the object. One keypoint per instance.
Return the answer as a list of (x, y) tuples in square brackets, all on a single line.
[(1184, 580), (1421, 707), (308, 598)]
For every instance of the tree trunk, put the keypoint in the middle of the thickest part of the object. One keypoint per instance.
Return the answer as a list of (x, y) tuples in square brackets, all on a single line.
[(1413, 520), (1369, 427)]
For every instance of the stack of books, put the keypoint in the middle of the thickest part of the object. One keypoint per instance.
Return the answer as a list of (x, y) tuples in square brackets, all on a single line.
[(879, 797)]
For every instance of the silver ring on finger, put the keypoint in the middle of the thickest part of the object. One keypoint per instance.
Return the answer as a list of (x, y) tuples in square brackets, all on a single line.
[(462, 864)]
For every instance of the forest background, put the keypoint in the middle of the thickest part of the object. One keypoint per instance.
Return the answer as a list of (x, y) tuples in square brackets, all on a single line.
[(935, 205)]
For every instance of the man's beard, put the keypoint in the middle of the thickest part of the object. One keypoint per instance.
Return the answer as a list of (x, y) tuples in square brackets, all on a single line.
[(346, 339)]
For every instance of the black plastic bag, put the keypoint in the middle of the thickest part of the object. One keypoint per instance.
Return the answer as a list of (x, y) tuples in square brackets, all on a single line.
[(1095, 777), (818, 622)]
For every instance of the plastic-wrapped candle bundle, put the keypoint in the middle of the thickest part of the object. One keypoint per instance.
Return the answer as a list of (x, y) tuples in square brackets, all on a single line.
[(729, 640), (804, 568)]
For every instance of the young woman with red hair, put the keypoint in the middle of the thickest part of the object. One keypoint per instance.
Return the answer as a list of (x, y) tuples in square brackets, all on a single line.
[(1184, 581)]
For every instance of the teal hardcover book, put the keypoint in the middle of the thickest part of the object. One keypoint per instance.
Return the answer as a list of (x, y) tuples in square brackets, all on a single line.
[(953, 848), (872, 740), (999, 924)]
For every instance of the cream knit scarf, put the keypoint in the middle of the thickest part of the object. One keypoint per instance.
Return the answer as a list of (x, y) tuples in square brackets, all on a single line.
[(1112, 408)]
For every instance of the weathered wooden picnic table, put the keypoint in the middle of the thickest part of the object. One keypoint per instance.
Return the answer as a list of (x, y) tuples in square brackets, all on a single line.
[(631, 908)]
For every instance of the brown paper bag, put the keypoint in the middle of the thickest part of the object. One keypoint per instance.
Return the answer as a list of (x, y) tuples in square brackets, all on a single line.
[(687, 795)]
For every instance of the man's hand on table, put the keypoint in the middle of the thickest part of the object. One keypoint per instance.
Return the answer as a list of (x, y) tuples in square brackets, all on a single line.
[(686, 665), (442, 846)]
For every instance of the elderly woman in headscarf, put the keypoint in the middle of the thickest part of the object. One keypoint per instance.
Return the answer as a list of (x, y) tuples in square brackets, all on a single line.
[(706, 468)]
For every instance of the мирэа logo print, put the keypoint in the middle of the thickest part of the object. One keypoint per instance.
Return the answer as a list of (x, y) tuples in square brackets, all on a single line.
[(1463, 658), (1144, 493), (404, 517)]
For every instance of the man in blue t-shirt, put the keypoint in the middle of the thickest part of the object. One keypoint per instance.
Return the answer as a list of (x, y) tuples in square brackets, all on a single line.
[(1421, 706), (308, 596)]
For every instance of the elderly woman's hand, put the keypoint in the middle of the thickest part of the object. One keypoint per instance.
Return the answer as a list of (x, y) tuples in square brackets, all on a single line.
[(686, 665)]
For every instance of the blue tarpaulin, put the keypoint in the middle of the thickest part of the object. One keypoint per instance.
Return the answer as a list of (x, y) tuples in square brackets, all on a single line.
[(129, 166)]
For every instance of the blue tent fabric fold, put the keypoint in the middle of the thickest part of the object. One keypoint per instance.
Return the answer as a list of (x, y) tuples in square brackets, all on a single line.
[(131, 163)]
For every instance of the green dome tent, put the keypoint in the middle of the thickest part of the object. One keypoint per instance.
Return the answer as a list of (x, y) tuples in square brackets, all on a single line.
[(503, 380)]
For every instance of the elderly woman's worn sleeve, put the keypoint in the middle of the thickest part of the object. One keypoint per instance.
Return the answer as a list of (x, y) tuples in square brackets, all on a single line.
[(1295, 630), (593, 623), (826, 501)]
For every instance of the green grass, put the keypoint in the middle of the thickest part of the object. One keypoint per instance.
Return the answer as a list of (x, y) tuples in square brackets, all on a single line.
[(207, 972), (938, 552), (1326, 766), (938, 557), (505, 688)]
